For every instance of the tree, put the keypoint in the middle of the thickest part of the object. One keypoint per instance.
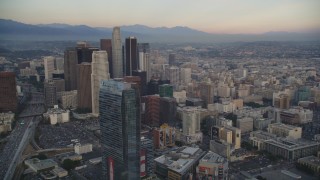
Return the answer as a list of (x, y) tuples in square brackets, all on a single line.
[(68, 164)]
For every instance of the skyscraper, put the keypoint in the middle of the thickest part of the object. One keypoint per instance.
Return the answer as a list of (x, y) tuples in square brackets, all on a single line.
[(8, 92), (144, 64), (120, 130), (70, 71), (50, 93), (48, 62), (172, 59), (84, 86), (117, 61), (131, 56), (106, 44), (100, 71)]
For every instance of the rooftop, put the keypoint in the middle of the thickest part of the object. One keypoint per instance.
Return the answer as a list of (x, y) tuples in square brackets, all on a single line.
[(212, 157)]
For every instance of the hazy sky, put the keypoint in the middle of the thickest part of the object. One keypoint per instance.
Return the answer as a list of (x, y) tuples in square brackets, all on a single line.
[(216, 16)]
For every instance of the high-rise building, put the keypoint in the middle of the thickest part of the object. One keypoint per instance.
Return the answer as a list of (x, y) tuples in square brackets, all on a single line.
[(185, 76), (172, 59), (147, 157), (131, 56), (70, 70), (8, 92), (106, 45), (48, 62), (135, 81), (117, 57), (144, 64), (84, 86), (173, 74), (84, 52), (144, 47), (100, 71), (168, 111), (206, 92), (120, 130), (143, 78), (150, 110), (166, 90), (60, 84), (50, 93)]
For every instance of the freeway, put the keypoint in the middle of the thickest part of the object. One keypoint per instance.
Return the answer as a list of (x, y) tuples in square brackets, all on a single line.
[(19, 138)]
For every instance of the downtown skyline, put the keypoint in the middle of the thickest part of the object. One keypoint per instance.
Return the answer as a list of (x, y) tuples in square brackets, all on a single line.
[(212, 16)]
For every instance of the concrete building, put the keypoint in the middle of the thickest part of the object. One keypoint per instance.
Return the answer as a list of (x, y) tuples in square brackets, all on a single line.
[(150, 110), (60, 172), (212, 165), (172, 59), (38, 165), (245, 124), (221, 147), (48, 63), (312, 162), (291, 149), (258, 138), (8, 92), (27, 72), (82, 148), (283, 130), (144, 64), (180, 96), (99, 71), (173, 74), (206, 92), (224, 91), (50, 93), (68, 99), (57, 115), (60, 84), (185, 76), (223, 132), (164, 136), (190, 120), (282, 101), (117, 58), (179, 164), (70, 68), (147, 157), (168, 111), (84, 86), (296, 115), (261, 123), (106, 45), (6, 120)]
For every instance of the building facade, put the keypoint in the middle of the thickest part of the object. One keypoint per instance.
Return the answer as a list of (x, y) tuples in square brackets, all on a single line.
[(99, 71), (84, 86), (120, 130), (117, 58), (8, 92)]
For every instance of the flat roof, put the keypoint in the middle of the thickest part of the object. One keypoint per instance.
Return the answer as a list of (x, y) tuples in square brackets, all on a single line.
[(38, 164)]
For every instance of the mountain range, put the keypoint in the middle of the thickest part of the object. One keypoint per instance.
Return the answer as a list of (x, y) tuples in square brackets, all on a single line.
[(13, 30)]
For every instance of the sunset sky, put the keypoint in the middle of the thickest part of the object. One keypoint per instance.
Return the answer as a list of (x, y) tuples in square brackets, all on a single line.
[(214, 16)]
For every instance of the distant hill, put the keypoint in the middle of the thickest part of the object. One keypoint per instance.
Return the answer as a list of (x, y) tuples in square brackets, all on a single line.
[(12, 30)]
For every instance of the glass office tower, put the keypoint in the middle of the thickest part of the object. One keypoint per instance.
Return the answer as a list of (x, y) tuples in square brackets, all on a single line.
[(120, 130)]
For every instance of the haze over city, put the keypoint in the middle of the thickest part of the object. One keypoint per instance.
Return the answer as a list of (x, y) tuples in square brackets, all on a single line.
[(212, 16)]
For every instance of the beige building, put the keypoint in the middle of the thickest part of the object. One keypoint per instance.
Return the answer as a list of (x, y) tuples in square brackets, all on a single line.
[(68, 99), (245, 124), (100, 71), (311, 162), (284, 130), (6, 120), (258, 138), (229, 134), (48, 66)]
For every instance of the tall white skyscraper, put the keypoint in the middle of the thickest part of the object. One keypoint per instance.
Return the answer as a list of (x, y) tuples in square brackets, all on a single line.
[(100, 71), (48, 62), (185, 76), (117, 61), (144, 64)]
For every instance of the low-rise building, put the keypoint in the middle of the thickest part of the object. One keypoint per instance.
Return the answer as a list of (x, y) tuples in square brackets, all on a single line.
[(212, 165), (60, 172), (82, 148), (291, 149), (296, 115), (6, 120), (221, 147), (257, 138), (179, 164), (57, 115), (261, 123), (311, 162), (284, 130), (38, 165)]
